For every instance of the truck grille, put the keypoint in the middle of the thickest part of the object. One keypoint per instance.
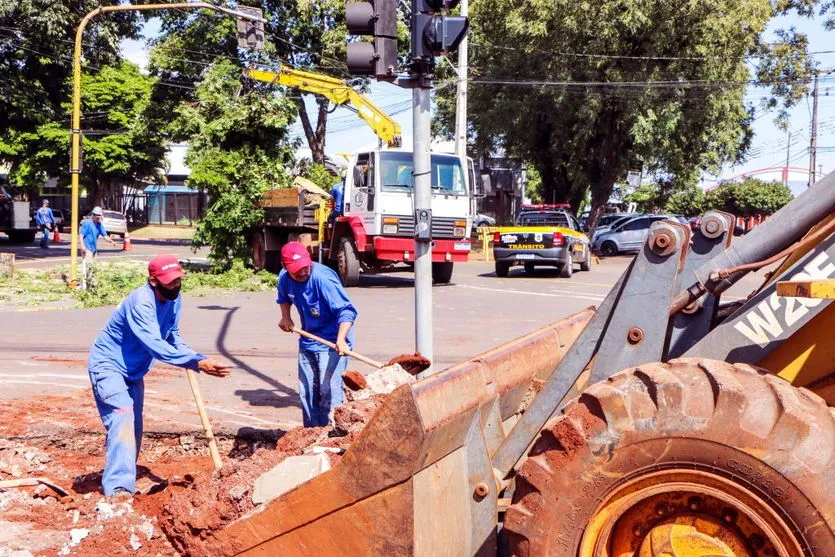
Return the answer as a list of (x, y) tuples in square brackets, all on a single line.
[(442, 227)]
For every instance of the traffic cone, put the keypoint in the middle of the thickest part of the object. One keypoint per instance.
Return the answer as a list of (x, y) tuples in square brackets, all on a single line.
[(56, 236), (126, 244)]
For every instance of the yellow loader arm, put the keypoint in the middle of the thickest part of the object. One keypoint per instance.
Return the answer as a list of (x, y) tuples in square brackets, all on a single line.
[(338, 92)]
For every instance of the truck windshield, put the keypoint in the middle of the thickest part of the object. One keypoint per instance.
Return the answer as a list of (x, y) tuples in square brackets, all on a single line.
[(396, 173)]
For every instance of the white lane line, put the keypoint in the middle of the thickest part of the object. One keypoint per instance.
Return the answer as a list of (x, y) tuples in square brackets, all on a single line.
[(246, 417), (553, 294), (84, 377), (50, 383)]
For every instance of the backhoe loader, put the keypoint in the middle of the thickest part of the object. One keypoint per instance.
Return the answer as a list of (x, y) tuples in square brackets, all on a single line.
[(666, 422)]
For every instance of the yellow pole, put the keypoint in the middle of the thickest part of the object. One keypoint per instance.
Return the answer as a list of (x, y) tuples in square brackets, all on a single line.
[(75, 137)]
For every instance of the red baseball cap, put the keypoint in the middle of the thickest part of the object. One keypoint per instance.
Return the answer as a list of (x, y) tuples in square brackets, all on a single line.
[(165, 268), (295, 257)]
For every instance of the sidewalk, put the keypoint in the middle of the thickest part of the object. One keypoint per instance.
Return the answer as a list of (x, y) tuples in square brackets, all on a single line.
[(163, 232)]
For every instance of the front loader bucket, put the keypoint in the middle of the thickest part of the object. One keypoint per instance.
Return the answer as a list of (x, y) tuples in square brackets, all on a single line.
[(418, 479)]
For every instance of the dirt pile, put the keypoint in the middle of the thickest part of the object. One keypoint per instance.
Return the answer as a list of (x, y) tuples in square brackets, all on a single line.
[(209, 502)]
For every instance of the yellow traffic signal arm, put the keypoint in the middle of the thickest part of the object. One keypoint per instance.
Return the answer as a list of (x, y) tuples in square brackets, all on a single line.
[(339, 93)]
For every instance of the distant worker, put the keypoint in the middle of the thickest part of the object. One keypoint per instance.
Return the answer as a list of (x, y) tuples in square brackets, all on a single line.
[(144, 327), (325, 311), (45, 221), (91, 229), (338, 196)]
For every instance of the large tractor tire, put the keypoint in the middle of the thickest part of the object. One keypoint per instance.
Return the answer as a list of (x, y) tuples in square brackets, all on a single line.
[(348, 263), (693, 457), (261, 258)]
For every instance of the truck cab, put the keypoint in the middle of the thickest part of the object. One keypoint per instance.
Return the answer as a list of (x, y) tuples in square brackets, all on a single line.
[(379, 217)]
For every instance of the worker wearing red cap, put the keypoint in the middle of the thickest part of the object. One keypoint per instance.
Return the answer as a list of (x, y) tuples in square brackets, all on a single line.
[(144, 327), (325, 311)]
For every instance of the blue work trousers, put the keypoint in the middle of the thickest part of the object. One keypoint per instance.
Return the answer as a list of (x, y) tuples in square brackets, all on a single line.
[(120, 406), (44, 236), (320, 385)]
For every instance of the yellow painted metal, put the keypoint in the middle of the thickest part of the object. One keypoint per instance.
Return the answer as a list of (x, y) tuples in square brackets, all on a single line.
[(691, 536), (75, 141), (823, 288), (809, 354), (338, 92)]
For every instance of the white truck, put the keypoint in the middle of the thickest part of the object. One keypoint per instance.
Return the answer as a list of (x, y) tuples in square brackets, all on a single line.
[(377, 226), (16, 219)]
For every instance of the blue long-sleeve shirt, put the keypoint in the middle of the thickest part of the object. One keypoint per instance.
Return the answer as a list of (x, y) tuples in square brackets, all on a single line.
[(90, 232), (140, 330), (44, 216), (322, 304)]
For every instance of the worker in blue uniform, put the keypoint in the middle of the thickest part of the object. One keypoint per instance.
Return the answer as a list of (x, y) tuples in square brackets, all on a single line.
[(325, 310), (144, 327)]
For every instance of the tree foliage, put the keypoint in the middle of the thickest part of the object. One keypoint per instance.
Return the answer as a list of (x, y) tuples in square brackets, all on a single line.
[(238, 148), (751, 197), (36, 45), (584, 89), (119, 147)]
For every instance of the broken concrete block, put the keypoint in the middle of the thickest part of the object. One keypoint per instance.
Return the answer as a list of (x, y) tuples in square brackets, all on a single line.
[(292, 471)]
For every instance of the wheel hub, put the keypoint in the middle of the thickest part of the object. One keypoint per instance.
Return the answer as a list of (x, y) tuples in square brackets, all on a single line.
[(675, 513)]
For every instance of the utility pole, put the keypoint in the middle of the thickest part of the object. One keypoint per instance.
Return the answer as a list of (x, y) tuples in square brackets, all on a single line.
[(788, 153), (813, 143), (461, 102), (423, 218)]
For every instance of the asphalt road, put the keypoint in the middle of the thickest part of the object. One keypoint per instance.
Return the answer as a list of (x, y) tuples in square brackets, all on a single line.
[(44, 353), (31, 256)]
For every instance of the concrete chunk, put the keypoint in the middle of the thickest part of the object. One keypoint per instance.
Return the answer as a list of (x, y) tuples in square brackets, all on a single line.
[(290, 472)]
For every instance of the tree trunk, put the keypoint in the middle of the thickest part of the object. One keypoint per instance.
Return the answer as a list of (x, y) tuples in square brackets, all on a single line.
[(315, 138)]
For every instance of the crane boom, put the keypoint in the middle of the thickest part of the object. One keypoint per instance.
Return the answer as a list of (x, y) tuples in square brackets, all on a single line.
[(339, 93)]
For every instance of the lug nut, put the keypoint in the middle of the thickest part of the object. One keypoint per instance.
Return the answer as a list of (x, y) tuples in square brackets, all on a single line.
[(729, 515), (695, 504), (638, 531), (482, 489), (661, 509), (756, 542)]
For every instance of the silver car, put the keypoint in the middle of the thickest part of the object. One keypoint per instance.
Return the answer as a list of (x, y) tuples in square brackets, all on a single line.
[(627, 235), (115, 223)]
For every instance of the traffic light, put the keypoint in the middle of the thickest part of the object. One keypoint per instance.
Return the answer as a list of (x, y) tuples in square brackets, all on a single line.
[(433, 34), (251, 33), (377, 18)]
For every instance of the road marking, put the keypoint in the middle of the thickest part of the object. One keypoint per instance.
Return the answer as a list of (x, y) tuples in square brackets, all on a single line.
[(51, 383), (57, 375), (553, 294)]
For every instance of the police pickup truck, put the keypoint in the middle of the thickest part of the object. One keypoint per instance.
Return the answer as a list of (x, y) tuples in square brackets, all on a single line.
[(543, 235)]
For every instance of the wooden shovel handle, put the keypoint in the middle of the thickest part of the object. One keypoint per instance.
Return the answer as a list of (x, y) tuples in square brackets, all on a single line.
[(329, 344), (204, 419)]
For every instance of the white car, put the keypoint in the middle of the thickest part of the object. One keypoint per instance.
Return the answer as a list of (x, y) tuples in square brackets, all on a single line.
[(114, 222)]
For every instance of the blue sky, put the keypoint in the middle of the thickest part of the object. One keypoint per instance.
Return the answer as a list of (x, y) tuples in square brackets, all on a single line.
[(347, 132)]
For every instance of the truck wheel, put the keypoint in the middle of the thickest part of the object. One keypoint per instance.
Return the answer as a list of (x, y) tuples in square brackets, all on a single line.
[(21, 236), (609, 249), (530, 268), (567, 268), (348, 263), (442, 272), (502, 269), (585, 265), (693, 453)]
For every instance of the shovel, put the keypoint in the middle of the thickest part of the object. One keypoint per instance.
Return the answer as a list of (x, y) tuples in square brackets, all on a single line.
[(410, 363)]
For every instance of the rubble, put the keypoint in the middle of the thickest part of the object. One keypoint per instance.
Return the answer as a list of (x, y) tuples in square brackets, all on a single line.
[(180, 501)]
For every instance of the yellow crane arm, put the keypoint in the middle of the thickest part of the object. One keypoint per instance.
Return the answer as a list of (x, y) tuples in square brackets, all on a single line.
[(339, 93)]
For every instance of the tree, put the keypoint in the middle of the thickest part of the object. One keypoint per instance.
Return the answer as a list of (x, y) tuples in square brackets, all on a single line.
[(36, 44), (119, 146), (239, 146), (688, 201), (750, 198), (583, 89)]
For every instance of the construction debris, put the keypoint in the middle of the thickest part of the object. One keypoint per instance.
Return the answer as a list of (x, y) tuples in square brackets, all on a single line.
[(287, 474)]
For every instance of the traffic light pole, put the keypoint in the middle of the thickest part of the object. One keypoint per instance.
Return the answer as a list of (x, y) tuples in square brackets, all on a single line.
[(423, 202)]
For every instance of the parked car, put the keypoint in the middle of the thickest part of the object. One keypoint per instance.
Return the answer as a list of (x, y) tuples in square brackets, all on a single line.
[(483, 220), (628, 235), (611, 223), (60, 219), (115, 223)]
